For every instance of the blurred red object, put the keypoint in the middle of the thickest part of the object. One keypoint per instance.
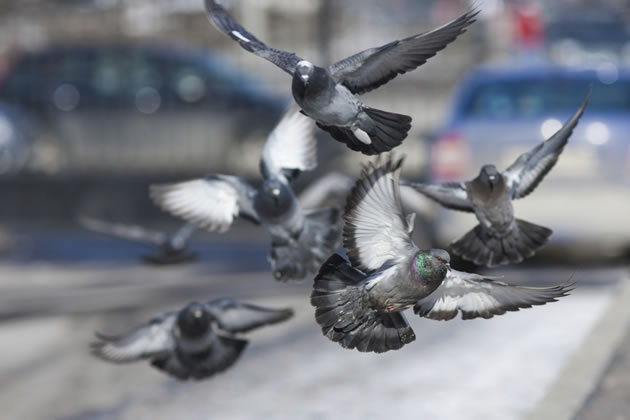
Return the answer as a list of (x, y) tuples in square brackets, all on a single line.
[(528, 26)]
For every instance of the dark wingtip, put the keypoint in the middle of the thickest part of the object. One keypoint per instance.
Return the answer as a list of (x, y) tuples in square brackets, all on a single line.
[(371, 172), (212, 6)]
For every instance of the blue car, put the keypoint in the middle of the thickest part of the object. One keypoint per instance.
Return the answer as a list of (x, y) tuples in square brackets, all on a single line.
[(498, 113)]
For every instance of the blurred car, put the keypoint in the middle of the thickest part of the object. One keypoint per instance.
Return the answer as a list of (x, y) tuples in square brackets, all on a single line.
[(591, 34), (15, 141), (498, 113), (136, 109)]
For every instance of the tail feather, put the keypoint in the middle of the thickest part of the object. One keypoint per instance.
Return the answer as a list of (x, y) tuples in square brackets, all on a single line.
[(319, 238), (343, 312), (390, 129), (483, 248)]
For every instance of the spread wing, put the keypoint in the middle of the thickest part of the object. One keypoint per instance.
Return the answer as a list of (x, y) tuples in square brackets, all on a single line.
[(147, 341), (374, 67), (375, 231), (476, 296), (291, 146), (452, 195), (123, 231), (222, 20), (211, 203), (530, 168), (236, 317)]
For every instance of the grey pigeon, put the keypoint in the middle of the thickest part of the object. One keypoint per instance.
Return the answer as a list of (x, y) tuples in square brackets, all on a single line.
[(171, 249), (301, 239), (500, 238), (328, 95), (195, 342), (360, 303)]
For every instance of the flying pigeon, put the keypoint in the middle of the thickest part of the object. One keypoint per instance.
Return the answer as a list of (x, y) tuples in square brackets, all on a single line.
[(171, 249), (500, 238), (360, 303), (301, 239), (328, 94), (195, 342)]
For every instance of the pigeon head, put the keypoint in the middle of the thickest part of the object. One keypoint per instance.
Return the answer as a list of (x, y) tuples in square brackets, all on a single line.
[(275, 200), (490, 176), (304, 70), (194, 320), (430, 266)]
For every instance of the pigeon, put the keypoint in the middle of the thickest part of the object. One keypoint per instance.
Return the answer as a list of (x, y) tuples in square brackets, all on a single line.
[(301, 239), (171, 248), (195, 342), (359, 303), (328, 94), (500, 238)]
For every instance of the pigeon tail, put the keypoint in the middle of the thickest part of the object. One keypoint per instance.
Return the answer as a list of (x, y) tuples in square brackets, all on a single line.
[(224, 353), (388, 131), (318, 239), (343, 312), (484, 248)]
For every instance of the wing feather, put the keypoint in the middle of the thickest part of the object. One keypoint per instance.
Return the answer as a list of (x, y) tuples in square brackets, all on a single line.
[(481, 297), (225, 23), (452, 195), (374, 67), (291, 145), (123, 231), (211, 203), (530, 168), (375, 230), (237, 317), (150, 340)]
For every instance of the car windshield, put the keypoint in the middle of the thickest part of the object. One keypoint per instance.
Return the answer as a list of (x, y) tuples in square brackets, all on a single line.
[(530, 98)]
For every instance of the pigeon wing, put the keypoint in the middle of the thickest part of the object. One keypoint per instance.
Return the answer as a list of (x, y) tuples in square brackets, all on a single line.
[(374, 67), (123, 231), (452, 195), (332, 187), (222, 20), (530, 168), (211, 203), (476, 296), (375, 230), (236, 317), (150, 340), (291, 146)]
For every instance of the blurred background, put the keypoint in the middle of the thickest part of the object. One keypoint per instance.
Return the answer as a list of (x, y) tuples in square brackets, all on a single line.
[(101, 98)]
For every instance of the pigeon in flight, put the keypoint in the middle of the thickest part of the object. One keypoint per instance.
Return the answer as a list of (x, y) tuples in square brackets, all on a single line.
[(171, 249), (195, 342), (301, 239), (500, 238), (360, 303), (328, 95)]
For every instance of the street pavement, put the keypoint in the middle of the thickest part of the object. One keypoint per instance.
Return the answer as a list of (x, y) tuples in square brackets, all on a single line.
[(481, 369)]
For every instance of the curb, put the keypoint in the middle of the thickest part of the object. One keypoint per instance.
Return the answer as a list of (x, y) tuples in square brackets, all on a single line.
[(581, 375)]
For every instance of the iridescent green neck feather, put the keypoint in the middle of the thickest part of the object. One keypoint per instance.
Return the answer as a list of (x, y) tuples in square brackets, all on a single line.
[(421, 266)]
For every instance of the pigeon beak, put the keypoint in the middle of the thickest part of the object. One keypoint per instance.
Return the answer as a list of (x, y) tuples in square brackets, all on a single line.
[(275, 192), (197, 313), (304, 78), (492, 178)]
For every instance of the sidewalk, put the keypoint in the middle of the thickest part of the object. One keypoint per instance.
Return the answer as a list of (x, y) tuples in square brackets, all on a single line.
[(595, 384)]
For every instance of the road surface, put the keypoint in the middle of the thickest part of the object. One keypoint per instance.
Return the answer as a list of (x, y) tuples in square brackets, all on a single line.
[(480, 369)]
